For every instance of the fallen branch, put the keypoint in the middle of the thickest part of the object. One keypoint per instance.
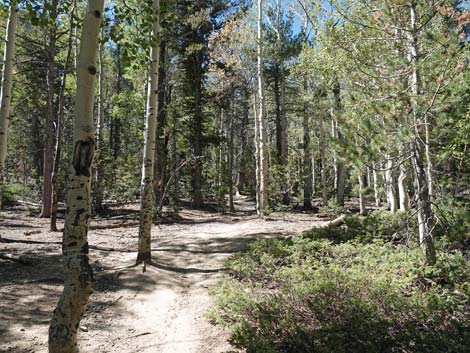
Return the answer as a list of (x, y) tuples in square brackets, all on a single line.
[(114, 226), (16, 259), (335, 222)]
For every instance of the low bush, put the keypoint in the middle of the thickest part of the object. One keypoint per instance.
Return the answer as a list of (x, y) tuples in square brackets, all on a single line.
[(380, 224), (315, 295), (12, 192)]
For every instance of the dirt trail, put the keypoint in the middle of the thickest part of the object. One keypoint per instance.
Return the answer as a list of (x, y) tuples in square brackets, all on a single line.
[(159, 311)]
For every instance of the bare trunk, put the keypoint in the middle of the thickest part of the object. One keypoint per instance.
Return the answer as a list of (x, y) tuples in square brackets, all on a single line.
[(362, 201), (257, 157), (144, 254), (402, 189), (422, 182), (59, 128), (429, 166), (340, 168), (220, 156), (323, 161), (161, 155), (50, 117), (307, 164), (5, 94), (390, 185), (230, 165), (261, 119), (99, 175), (375, 178), (78, 274)]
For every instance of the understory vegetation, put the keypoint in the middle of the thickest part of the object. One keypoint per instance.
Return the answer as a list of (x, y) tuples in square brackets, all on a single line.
[(361, 287)]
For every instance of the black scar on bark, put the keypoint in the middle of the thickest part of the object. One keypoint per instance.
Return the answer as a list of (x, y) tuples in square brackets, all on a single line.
[(86, 272), (85, 249), (78, 214), (92, 69), (83, 157)]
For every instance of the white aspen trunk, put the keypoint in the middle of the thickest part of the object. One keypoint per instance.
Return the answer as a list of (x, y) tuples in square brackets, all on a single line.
[(261, 119), (334, 135), (402, 190), (429, 165), (257, 156), (390, 184), (5, 94), (99, 135), (422, 193), (144, 254), (375, 178), (78, 274)]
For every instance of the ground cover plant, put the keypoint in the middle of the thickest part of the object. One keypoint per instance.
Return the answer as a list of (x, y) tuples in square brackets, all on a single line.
[(360, 292)]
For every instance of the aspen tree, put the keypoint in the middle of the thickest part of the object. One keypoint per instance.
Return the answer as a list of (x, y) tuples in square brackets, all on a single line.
[(262, 139), (5, 94), (402, 190), (422, 180), (375, 181), (59, 129), (322, 142), (99, 173), (390, 184), (146, 189), (78, 274)]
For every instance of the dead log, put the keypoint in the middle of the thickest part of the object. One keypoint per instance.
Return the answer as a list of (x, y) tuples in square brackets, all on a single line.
[(335, 222)]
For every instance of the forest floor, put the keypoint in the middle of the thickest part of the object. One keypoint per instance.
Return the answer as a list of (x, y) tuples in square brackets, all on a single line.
[(159, 311)]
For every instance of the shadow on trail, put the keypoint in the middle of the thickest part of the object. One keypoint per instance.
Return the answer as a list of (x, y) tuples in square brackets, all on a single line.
[(183, 270)]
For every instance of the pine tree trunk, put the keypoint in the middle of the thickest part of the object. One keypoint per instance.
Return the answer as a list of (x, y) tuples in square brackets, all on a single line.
[(5, 94), (196, 63), (161, 155), (50, 116), (219, 156), (146, 189), (261, 119), (115, 123), (78, 274), (281, 117), (307, 163), (230, 152), (322, 142), (340, 168), (362, 201), (59, 128)]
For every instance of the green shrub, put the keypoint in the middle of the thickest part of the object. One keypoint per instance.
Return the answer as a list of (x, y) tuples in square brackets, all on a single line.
[(379, 224), (314, 295), (13, 192)]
